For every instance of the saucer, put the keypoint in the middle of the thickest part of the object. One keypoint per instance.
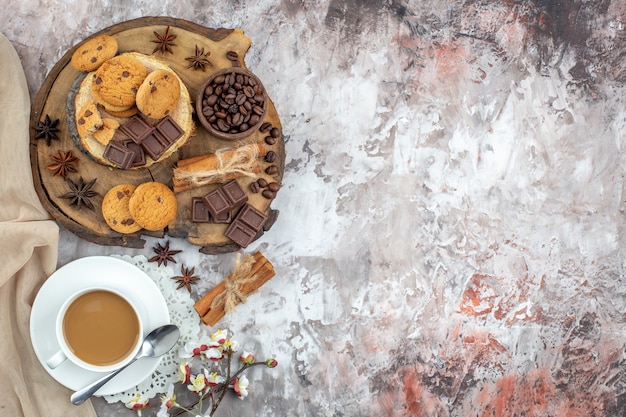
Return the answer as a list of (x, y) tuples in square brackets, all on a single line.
[(103, 272)]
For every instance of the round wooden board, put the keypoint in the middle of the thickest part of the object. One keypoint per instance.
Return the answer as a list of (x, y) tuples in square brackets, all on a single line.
[(137, 35)]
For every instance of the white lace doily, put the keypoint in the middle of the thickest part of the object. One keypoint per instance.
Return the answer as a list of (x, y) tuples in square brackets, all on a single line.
[(180, 306)]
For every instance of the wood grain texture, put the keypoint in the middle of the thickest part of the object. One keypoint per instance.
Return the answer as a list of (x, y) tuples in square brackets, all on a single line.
[(52, 99)]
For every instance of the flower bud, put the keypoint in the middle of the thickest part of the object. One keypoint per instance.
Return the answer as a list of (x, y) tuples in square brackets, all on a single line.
[(246, 358), (271, 363)]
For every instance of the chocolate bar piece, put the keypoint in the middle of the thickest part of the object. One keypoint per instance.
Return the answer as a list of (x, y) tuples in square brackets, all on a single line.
[(199, 211), (201, 214), (154, 145), (217, 202), (246, 225), (225, 198), (120, 155), (137, 128), (140, 156), (234, 193), (251, 217), (169, 129), (240, 234)]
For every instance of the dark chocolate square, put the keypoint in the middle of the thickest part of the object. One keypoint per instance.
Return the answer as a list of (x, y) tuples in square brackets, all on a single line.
[(225, 217), (137, 150), (137, 128), (235, 194), (169, 129), (251, 217), (240, 233), (153, 145), (120, 155), (217, 202), (199, 211)]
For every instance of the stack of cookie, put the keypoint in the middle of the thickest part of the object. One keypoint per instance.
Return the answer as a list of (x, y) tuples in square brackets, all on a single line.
[(117, 87)]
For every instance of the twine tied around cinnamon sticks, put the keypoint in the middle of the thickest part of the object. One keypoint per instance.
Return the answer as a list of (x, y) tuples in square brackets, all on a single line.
[(232, 294), (248, 275), (223, 165)]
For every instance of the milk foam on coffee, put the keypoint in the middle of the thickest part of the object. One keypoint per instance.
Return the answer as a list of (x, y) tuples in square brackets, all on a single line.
[(101, 328)]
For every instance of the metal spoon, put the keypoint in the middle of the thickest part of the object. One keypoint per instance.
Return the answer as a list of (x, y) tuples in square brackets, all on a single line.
[(160, 341)]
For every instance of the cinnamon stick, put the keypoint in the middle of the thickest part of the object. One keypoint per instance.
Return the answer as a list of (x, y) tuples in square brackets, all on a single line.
[(261, 272)]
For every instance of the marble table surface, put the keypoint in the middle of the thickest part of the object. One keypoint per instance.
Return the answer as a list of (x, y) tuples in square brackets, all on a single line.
[(451, 229)]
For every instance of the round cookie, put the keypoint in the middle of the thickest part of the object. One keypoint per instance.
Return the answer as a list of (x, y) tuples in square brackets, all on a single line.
[(93, 52), (158, 95), (117, 80), (153, 205), (115, 209)]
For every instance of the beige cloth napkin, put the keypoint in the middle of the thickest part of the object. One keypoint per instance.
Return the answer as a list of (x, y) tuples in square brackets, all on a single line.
[(28, 249)]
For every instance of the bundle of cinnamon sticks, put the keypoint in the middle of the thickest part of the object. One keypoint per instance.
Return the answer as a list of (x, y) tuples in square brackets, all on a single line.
[(221, 166), (247, 276)]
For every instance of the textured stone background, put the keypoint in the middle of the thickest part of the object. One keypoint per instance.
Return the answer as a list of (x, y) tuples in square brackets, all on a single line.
[(451, 234)]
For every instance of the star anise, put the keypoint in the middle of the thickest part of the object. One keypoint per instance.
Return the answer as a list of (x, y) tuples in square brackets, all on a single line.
[(163, 254), (47, 129), (200, 60), (164, 42), (62, 163), (80, 193), (187, 278)]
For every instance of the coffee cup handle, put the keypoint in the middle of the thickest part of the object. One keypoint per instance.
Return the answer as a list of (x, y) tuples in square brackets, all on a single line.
[(56, 359)]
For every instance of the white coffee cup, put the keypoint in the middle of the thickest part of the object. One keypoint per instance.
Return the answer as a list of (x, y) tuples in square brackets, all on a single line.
[(98, 329)]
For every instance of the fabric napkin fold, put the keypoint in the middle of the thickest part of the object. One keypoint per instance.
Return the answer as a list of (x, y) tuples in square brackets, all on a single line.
[(29, 248)]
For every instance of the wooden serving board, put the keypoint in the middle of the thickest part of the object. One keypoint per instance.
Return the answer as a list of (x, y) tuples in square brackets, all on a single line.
[(52, 99)]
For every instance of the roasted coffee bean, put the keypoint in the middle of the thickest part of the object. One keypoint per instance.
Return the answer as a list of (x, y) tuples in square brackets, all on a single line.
[(222, 125), (262, 182), (270, 156), (219, 79), (254, 187), (248, 91), (220, 114), (270, 170), (211, 100), (237, 119), (268, 194), (270, 140), (240, 99), (265, 127), (273, 186), (232, 55), (208, 90), (275, 133)]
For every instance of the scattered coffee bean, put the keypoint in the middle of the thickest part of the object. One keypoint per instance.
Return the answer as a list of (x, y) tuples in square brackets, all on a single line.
[(254, 187), (232, 55), (275, 133), (270, 140), (270, 156), (273, 186), (271, 170), (262, 182), (265, 127), (268, 194)]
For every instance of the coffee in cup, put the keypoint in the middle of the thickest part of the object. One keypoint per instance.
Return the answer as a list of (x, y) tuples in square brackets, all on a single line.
[(98, 329)]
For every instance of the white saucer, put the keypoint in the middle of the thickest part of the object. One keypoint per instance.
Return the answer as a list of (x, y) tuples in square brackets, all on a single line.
[(104, 272)]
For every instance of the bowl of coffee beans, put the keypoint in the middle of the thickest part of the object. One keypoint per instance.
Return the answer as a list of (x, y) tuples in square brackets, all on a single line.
[(232, 103)]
